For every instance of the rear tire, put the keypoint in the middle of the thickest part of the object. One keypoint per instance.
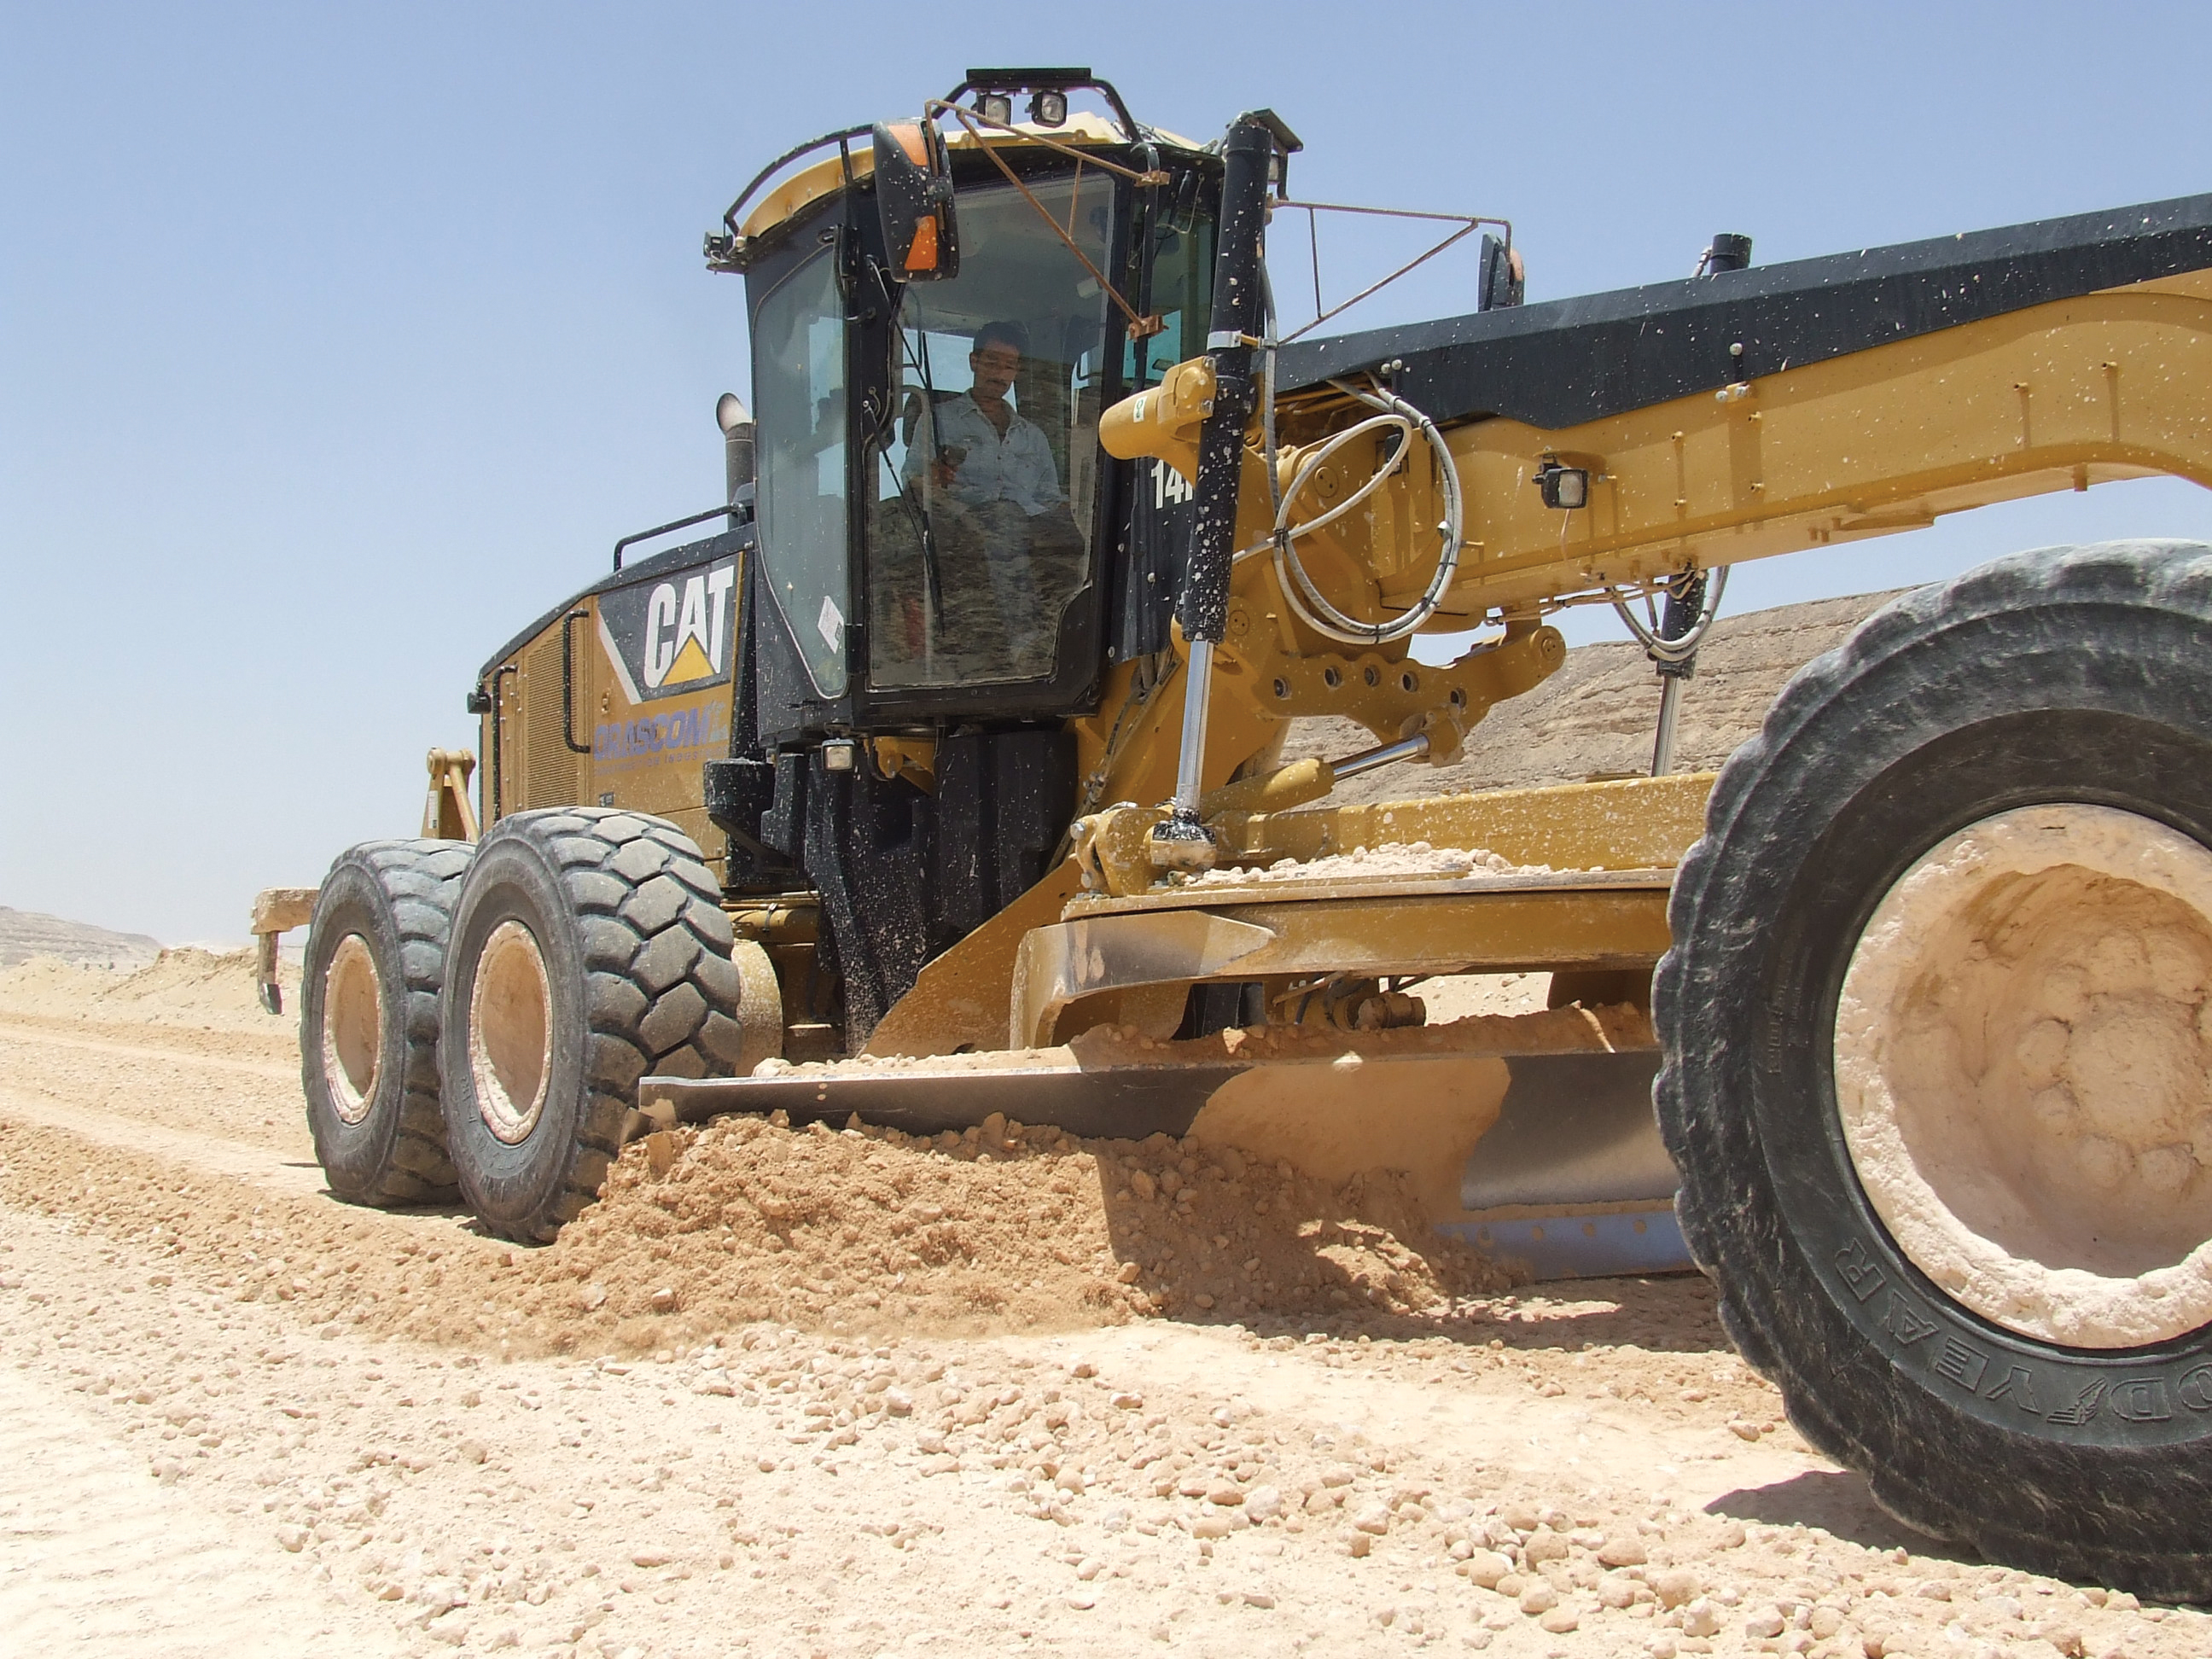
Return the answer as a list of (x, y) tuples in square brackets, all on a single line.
[(590, 947), (369, 1020), (2026, 1371)]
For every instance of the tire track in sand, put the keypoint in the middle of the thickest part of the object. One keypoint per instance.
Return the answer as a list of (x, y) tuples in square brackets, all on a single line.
[(264, 1166), (95, 1556), (189, 1048)]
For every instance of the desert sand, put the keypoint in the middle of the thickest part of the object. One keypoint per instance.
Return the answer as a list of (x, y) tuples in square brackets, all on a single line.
[(790, 1392), (821, 1392)]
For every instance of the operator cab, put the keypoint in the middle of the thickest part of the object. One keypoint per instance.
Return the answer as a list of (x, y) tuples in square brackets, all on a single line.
[(940, 539), (983, 481)]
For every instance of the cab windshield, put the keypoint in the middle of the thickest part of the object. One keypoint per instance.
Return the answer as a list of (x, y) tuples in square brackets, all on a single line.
[(981, 484), (799, 387)]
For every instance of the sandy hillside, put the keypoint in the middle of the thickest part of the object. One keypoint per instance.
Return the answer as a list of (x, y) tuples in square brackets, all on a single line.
[(28, 933), (794, 1393), (1595, 716)]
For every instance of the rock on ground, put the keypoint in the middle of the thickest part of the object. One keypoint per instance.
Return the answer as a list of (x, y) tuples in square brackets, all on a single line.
[(235, 1413)]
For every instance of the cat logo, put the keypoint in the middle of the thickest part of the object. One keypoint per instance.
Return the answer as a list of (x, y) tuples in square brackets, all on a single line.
[(671, 635)]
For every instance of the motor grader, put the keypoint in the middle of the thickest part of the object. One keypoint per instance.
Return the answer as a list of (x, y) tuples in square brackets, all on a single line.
[(953, 756)]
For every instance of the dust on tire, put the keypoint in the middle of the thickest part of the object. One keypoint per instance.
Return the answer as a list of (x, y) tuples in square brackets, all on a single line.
[(2069, 675), (385, 909), (636, 953)]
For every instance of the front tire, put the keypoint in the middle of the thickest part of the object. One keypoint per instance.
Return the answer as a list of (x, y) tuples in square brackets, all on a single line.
[(369, 1020), (1938, 1023), (589, 948)]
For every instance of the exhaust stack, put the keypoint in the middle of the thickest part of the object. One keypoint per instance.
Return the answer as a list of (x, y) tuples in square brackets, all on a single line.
[(737, 423)]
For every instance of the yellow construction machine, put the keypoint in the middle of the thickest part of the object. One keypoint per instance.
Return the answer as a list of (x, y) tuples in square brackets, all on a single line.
[(944, 778)]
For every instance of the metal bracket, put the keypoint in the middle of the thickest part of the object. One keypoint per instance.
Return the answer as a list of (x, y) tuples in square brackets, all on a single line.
[(1059, 964)]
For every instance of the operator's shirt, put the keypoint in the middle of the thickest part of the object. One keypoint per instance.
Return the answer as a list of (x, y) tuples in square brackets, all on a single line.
[(1016, 468)]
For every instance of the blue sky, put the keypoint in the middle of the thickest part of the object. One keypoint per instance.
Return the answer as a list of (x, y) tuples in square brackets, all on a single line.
[(336, 343)]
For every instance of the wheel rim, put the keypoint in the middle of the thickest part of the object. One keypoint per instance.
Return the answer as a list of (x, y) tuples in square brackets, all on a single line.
[(353, 1028), (760, 1005), (2021, 1052), (511, 1032)]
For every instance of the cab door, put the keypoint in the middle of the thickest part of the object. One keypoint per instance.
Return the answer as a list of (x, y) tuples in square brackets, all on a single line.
[(662, 643)]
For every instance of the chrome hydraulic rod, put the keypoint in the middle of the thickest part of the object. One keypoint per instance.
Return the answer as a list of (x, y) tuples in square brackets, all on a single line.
[(1181, 842), (1389, 753), (1190, 760), (1662, 742)]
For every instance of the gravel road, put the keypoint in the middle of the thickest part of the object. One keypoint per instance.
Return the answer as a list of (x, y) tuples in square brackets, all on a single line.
[(236, 1416)]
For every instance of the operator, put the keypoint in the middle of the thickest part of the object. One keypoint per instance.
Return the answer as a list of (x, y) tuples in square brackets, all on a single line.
[(997, 466), (986, 451)]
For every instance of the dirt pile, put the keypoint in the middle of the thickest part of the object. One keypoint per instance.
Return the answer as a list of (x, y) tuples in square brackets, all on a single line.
[(705, 1229), (1586, 1478), (1001, 1228), (220, 1445), (184, 987)]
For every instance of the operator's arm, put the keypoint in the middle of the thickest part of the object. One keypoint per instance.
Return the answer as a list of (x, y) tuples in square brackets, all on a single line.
[(945, 438), (1033, 480), (922, 449)]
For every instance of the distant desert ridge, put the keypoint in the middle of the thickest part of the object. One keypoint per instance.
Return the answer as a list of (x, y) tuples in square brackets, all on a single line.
[(28, 933)]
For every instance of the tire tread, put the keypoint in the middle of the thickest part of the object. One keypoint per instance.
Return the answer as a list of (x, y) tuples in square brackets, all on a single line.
[(1729, 1217), (657, 972), (420, 882)]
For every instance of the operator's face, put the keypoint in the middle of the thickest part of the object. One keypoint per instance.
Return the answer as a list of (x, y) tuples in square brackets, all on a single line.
[(995, 367)]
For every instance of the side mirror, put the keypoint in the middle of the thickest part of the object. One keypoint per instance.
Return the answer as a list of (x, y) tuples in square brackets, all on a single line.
[(913, 195), (1502, 277)]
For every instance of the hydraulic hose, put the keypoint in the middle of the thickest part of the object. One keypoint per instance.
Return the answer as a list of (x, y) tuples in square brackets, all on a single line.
[(1683, 646), (1305, 599)]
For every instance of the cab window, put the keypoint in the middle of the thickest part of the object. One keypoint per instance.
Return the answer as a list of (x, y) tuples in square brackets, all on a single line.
[(799, 387), (983, 480)]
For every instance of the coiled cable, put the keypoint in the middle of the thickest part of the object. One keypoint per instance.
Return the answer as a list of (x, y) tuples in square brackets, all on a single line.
[(1307, 602)]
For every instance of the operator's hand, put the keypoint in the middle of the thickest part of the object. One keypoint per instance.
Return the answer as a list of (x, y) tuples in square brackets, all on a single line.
[(941, 472)]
